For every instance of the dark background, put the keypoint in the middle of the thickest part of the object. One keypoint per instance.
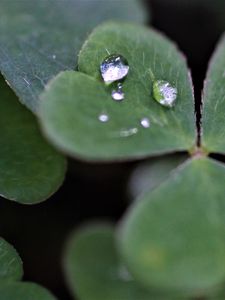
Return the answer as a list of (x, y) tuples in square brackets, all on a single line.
[(92, 191)]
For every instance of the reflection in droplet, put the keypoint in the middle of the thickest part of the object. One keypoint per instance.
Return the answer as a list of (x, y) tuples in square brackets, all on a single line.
[(164, 93), (114, 67), (145, 122), (118, 94), (103, 118)]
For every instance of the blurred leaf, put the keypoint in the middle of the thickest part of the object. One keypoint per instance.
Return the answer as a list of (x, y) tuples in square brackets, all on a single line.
[(11, 267), (24, 291), (41, 38), (148, 175), (173, 239), (94, 270), (73, 101), (30, 169), (213, 135)]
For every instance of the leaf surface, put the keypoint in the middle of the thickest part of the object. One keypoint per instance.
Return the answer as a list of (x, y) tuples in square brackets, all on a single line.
[(38, 39), (10, 263), (213, 113), (94, 270), (24, 291), (73, 101), (30, 169), (150, 174), (173, 238)]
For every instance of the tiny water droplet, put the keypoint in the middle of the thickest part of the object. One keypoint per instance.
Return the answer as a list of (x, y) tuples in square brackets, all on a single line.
[(54, 56), (118, 94), (145, 122), (103, 118), (114, 67), (164, 93), (128, 132)]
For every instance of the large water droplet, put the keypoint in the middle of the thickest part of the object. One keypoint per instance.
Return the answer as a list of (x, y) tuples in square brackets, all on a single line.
[(164, 93), (118, 94), (114, 68), (145, 122), (103, 118)]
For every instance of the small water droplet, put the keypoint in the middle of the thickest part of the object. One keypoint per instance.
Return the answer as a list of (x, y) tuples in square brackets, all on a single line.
[(129, 132), (54, 56), (145, 122), (114, 67), (164, 93), (103, 118), (118, 94)]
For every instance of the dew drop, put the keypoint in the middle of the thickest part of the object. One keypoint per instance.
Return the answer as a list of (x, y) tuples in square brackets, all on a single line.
[(54, 56), (128, 132), (118, 94), (103, 118), (164, 93), (114, 67), (145, 122)]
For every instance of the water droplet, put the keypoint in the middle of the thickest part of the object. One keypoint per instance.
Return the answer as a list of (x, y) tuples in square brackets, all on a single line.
[(103, 118), (164, 93), (54, 56), (129, 132), (118, 94), (145, 122), (114, 67)]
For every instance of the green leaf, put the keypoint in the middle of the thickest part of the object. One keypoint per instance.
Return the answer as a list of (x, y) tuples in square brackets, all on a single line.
[(94, 270), (213, 135), (73, 101), (24, 291), (41, 38), (173, 239), (30, 169), (11, 267), (148, 175)]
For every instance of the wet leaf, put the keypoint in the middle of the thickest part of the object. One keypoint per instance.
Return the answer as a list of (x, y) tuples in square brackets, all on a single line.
[(73, 102)]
